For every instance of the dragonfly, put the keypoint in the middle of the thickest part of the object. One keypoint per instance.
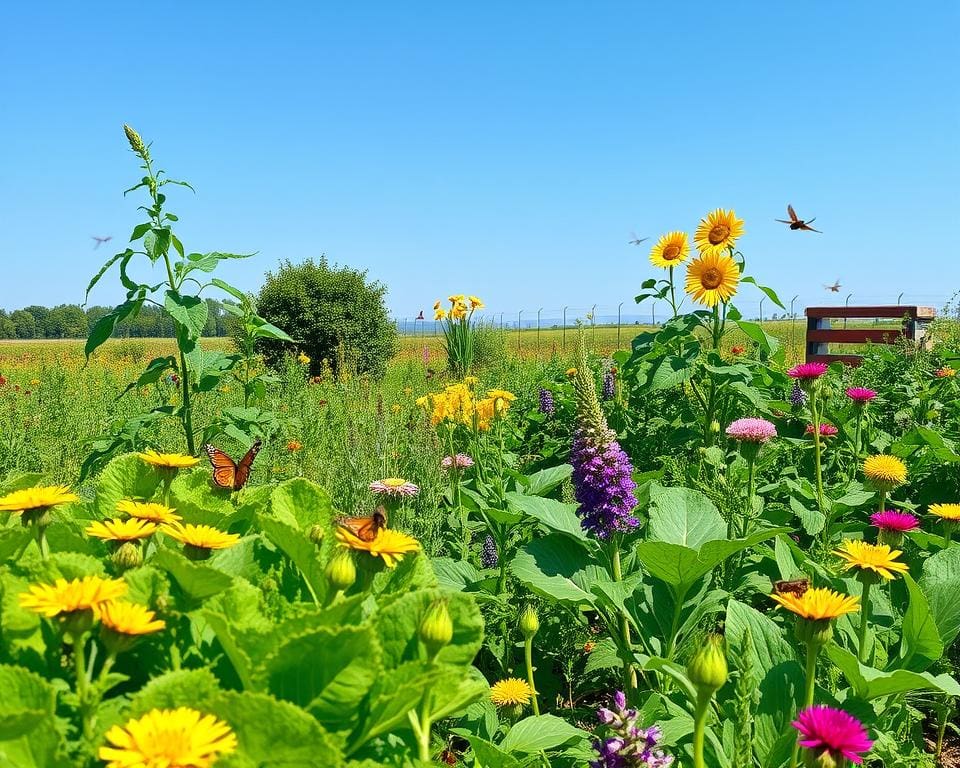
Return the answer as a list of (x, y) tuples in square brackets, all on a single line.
[(835, 287), (796, 222), (637, 240), (101, 240)]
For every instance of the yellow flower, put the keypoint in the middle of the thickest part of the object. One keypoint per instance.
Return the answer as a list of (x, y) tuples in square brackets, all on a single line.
[(475, 303), (501, 399), (439, 314), (408, 391), (145, 510), (945, 373), (303, 359), (63, 596), (168, 460), (470, 381), (878, 558), (571, 372), (718, 232), (436, 304), (945, 511), (389, 544), (818, 603), (41, 497), (129, 618), (395, 408), (458, 311), (121, 530), (201, 536), (168, 738), (457, 298), (671, 249), (886, 472), (712, 278), (511, 692)]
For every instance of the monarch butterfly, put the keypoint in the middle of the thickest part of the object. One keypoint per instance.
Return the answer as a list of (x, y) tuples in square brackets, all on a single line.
[(798, 587), (230, 474), (365, 528)]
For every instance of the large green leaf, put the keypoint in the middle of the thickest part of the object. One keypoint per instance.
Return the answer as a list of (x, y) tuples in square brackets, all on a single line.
[(199, 501), (189, 311), (488, 755), (125, 477), (869, 683), (299, 548), (29, 737), (558, 568), (555, 515), (920, 643), (940, 583), (198, 581), (302, 503), (541, 733), (543, 482), (684, 516)]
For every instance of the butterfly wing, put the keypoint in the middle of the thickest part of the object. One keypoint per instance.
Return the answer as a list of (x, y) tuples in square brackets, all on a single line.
[(365, 528), (792, 213), (246, 464), (224, 468)]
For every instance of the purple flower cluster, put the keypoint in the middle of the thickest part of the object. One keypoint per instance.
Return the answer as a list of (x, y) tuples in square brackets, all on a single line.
[(603, 482), (488, 554), (628, 746), (609, 385), (798, 397), (546, 402)]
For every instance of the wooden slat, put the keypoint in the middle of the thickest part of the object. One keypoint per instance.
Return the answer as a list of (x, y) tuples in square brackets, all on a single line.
[(902, 310), (854, 335), (848, 359)]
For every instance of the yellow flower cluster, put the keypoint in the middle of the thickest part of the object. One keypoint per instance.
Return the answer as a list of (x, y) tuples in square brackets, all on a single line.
[(459, 404), (461, 307)]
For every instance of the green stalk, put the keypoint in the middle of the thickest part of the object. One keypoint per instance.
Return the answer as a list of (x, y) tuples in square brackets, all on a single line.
[(817, 455), (864, 616), (748, 506), (83, 686), (700, 713), (813, 650), (856, 442), (528, 658), (673, 298), (630, 672)]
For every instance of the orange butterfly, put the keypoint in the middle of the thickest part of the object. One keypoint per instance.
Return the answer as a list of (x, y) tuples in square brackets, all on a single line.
[(365, 528), (230, 474)]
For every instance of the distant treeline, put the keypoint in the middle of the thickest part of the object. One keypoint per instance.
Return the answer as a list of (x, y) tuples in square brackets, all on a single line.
[(70, 321)]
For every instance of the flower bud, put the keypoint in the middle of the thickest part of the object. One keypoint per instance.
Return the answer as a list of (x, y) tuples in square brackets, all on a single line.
[(529, 622), (715, 427), (341, 571), (127, 556), (436, 628), (707, 669), (817, 632), (136, 143), (317, 533), (76, 623)]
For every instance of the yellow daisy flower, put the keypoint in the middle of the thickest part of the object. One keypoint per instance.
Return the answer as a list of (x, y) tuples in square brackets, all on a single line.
[(711, 278), (885, 472), (878, 558), (129, 619), (121, 530), (946, 511), (168, 738), (818, 603), (168, 460), (201, 536), (670, 250), (41, 497), (718, 232), (88, 593), (389, 544), (571, 372), (145, 510), (303, 359), (511, 692)]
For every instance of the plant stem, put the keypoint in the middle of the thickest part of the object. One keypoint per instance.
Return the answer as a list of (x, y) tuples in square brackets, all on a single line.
[(813, 650), (856, 443), (701, 710), (748, 506), (864, 616), (817, 456), (83, 685), (425, 726), (630, 673), (528, 658)]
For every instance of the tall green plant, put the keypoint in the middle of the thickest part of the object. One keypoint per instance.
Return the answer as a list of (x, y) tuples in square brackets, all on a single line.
[(459, 331)]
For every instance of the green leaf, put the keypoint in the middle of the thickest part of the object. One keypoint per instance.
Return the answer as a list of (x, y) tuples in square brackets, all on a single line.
[(197, 581), (199, 501), (489, 755), (555, 515), (684, 516), (302, 504), (869, 683), (558, 568), (771, 294), (28, 734), (940, 583), (546, 480), (920, 643), (456, 575), (226, 287), (300, 549), (764, 341), (152, 373), (189, 311), (103, 270), (125, 477), (541, 733), (103, 328)]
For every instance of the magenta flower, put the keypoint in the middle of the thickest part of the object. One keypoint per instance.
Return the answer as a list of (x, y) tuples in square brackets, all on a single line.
[(805, 371), (460, 461), (826, 430), (825, 729), (394, 487), (861, 395), (752, 430), (893, 521)]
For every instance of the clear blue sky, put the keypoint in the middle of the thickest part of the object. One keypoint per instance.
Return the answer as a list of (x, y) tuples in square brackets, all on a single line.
[(499, 148)]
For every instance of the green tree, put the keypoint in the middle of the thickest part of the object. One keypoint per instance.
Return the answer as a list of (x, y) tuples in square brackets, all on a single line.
[(68, 321), (24, 324), (39, 315), (325, 308), (7, 330)]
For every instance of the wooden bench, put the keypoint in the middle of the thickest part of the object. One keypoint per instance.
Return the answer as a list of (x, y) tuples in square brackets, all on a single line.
[(820, 334)]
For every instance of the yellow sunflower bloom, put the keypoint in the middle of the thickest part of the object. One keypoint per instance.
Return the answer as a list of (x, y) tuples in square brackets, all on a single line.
[(144, 510), (129, 619), (885, 472), (712, 278), (201, 536), (121, 530), (671, 249), (878, 558), (511, 692), (168, 460), (168, 738), (388, 544), (818, 603), (41, 497), (718, 232), (946, 511), (61, 597)]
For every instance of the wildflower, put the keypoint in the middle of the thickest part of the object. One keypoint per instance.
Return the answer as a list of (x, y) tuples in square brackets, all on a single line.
[(511, 692), (142, 510), (136, 143), (475, 303), (129, 619), (828, 731), (945, 511), (629, 745), (589, 646), (671, 249), (388, 544), (608, 390), (201, 537), (436, 628), (529, 622), (460, 461), (861, 395), (798, 397), (488, 553), (168, 460), (571, 372), (66, 597), (394, 487), (34, 503), (945, 372), (885, 472), (806, 372), (826, 430), (303, 359), (168, 738), (897, 522), (439, 314), (455, 298), (395, 408), (818, 603), (502, 398), (718, 232), (712, 278), (752, 430), (121, 530), (873, 558), (294, 445), (707, 668), (547, 407), (35, 382), (736, 350)]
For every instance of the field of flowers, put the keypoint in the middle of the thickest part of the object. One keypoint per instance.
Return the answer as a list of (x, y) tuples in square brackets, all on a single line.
[(693, 551)]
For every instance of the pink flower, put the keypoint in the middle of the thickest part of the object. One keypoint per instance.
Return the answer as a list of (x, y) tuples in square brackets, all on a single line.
[(752, 430), (807, 371), (825, 729), (896, 522), (394, 486), (861, 395), (460, 461), (826, 430)]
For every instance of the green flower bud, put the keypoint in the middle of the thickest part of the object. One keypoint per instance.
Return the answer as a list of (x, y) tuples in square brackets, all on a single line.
[(136, 143), (127, 556), (529, 622), (715, 427), (436, 628), (818, 632), (75, 624), (341, 571), (707, 669), (317, 533)]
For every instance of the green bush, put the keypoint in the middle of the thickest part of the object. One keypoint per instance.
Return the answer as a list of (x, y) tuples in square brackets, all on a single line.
[(333, 312)]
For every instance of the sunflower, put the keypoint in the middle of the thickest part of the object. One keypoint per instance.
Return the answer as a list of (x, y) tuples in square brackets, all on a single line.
[(121, 530), (64, 596), (946, 511), (712, 277), (129, 619), (171, 738), (511, 692), (885, 472), (878, 558), (818, 603), (42, 497), (389, 544), (168, 460), (201, 536), (718, 232), (671, 249)]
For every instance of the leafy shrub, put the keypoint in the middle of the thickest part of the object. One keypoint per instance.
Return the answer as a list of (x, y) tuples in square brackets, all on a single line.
[(333, 312), (489, 346)]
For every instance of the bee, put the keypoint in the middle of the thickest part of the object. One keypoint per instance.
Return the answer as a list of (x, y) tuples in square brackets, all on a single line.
[(797, 587)]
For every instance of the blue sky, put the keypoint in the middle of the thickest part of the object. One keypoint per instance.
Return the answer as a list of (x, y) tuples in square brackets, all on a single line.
[(499, 148)]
